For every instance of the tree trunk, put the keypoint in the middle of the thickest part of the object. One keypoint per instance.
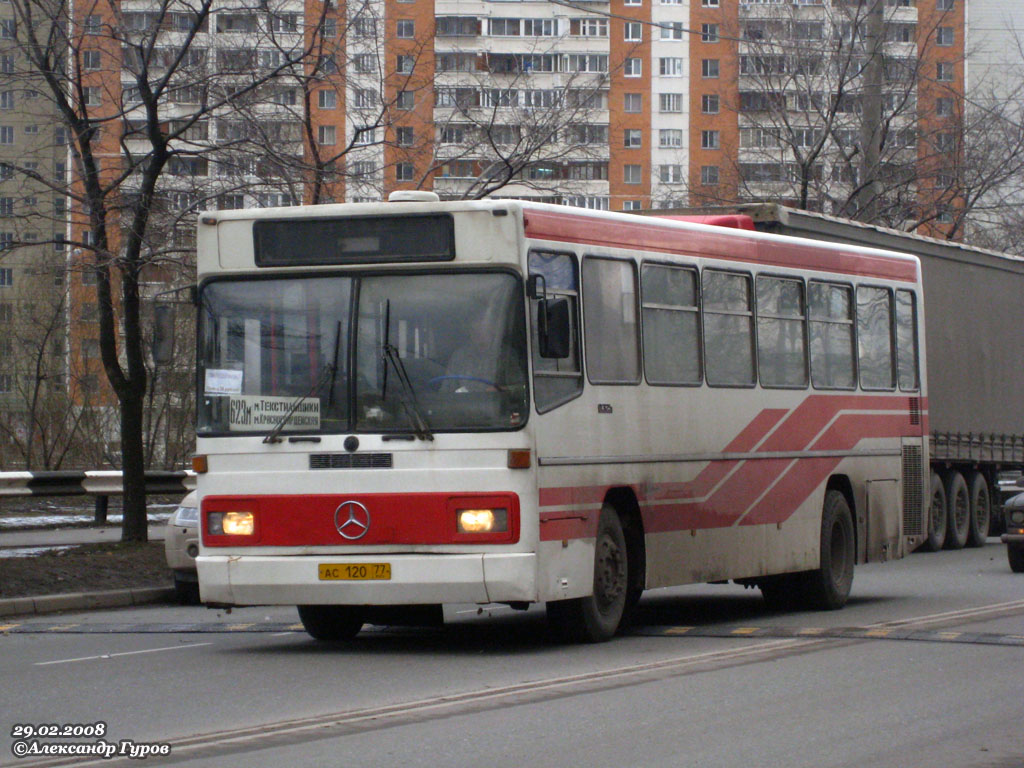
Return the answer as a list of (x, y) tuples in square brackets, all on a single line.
[(135, 524)]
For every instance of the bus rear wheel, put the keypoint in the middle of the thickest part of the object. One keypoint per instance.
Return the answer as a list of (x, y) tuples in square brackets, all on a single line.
[(597, 617), (331, 623), (828, 587)]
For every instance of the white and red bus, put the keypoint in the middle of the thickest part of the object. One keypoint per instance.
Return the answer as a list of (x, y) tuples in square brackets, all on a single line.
[(413, 403)]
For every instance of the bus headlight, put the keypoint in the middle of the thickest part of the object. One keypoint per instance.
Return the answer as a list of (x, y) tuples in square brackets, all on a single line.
[(481, 520), (230, 523)]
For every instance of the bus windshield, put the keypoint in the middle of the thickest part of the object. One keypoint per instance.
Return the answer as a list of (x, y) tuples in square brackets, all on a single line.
[(410, 353)]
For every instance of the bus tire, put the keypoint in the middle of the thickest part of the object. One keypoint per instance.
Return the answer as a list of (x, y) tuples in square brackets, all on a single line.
[(598, 616), (936, 516), (331, 623), (828, 587), (958, 506), (1015, 557), (981, 510)]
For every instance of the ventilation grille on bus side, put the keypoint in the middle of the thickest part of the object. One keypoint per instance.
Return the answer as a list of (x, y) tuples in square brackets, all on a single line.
[(913, 491), (350, 461), (915, 411)]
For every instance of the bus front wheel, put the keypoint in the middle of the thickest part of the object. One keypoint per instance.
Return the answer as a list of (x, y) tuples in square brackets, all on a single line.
[(331, 623), (828, 587), (597, 617)]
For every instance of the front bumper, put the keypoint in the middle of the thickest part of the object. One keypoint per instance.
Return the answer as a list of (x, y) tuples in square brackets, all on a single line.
[(1013, 539), (416, 579)]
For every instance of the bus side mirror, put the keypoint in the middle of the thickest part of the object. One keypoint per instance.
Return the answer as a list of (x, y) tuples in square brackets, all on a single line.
[(553, 335), (163, 333)]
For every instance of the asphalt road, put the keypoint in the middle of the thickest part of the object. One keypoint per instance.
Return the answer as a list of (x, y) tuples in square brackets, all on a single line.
[(923, 668)]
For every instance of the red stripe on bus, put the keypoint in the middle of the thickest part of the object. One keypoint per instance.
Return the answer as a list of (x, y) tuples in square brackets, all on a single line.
[(818, 419), (728, 245)]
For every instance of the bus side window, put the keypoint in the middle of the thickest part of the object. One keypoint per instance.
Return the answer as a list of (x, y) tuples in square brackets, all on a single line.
[(671, 321), (556, 381), (831, 332), (781, 335), (906, 340), (728, 329), (610, 321), (874, 337)]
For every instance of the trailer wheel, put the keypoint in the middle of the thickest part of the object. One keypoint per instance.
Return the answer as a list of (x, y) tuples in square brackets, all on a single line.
[(596, 618), (331, 623), (958, 504), (981, 510), (1016, 558), (828, 587), (936, 516)]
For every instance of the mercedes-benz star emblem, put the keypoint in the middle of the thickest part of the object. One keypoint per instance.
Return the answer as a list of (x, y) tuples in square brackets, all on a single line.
[(352, 520)]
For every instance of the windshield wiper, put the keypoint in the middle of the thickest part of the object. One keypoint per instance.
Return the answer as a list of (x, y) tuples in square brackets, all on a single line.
[(327, 374), (407, 394)]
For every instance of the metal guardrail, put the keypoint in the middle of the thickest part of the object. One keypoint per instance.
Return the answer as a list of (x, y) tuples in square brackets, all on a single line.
[(99, 483)]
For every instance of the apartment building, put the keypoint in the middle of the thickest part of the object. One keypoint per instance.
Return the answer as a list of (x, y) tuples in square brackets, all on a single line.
[(33, 216), (844, 106)]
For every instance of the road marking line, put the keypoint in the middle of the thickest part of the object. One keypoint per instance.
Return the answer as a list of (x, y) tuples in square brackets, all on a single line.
[(123, 653), (5, 627), (60, 627)]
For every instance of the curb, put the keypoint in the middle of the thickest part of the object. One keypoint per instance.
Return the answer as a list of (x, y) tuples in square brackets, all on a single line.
[(81, 601)]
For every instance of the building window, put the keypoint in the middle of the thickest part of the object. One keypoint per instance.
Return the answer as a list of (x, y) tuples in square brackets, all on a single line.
[(405, 28), (944, 5), (670, 66), (404, 172), (944, 106), (405, 100), (709, 140), (6, 277), (364, 97), (327, 99), (944, 71), (93, 25), (6, 134), (670, 174), (588, 27), (944, 36), (327, 135), (672, 30), (709, 103), (633, 67), (709, 3), (633, 102), (404, 136), (91, 60), (632, 137), (631, 174), (670, 102), (709, 68), (93, 96), (405, 64), (709, 33), (634, 31), (632, 205), (365, 136), (6, 206), (670, 138)]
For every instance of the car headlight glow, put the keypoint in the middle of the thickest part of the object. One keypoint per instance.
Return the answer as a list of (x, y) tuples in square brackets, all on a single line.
[(231, 523), (482, 520)]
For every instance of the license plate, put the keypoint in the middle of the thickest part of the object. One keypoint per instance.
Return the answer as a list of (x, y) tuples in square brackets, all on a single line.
[(355, 571)]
